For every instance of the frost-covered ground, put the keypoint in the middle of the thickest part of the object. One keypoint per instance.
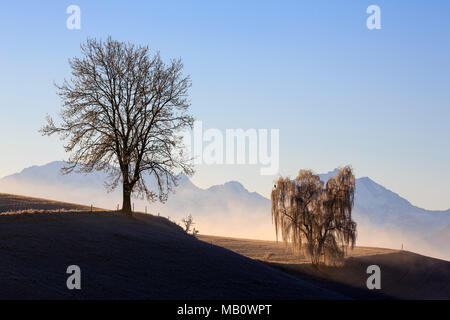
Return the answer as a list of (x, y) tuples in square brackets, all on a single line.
[(404, 275), (144, 257)]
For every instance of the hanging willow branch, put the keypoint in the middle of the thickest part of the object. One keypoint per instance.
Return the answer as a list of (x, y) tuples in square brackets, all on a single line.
[(315, 218)]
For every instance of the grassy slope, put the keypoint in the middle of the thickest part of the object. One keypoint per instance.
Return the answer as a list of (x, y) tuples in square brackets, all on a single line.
[(9, 202), (145, 257), (404, 275), (150, 257)]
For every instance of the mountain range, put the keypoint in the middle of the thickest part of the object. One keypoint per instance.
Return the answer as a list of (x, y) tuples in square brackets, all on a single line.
[(384, 218)]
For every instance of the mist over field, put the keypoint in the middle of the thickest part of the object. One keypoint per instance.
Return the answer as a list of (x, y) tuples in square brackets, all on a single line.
[(384, 219)]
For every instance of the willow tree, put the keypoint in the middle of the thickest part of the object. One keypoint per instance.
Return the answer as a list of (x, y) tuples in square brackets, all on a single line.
[(122, 112), (315, 218)]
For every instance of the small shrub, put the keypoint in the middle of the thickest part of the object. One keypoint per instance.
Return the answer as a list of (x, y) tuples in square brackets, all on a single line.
[(188, 222), (268, 255)]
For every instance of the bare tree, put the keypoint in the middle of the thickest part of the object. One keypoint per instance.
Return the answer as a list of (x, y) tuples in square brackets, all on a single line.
[(122, 112), (188, 222), (314, 218)]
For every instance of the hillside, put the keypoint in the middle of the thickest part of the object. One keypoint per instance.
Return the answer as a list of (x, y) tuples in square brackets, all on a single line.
[(149, 257), (144, 257), (384, 218), (14, 203), (404, 275)]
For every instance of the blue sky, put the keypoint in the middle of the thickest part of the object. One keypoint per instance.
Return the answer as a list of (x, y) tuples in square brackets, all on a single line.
[(339, 93)]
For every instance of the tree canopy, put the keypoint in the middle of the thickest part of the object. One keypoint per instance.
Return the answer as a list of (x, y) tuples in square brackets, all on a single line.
[(122, 111), (315, 218)]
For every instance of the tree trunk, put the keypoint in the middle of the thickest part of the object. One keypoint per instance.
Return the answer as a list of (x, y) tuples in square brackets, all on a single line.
[(126, 206)]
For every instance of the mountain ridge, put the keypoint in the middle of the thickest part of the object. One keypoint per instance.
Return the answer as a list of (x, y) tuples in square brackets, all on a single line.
[(384, 218), (184, 179)]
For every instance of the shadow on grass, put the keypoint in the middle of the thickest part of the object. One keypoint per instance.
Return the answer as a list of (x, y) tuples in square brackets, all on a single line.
[(404, 275)]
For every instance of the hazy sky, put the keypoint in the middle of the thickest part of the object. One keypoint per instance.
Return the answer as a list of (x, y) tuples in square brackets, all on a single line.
[(339, 93)]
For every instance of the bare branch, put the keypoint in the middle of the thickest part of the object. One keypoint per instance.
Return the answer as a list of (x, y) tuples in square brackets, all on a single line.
[(122, 108)]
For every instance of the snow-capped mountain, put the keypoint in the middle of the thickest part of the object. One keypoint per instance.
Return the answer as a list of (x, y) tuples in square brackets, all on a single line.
[(384, 218)]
